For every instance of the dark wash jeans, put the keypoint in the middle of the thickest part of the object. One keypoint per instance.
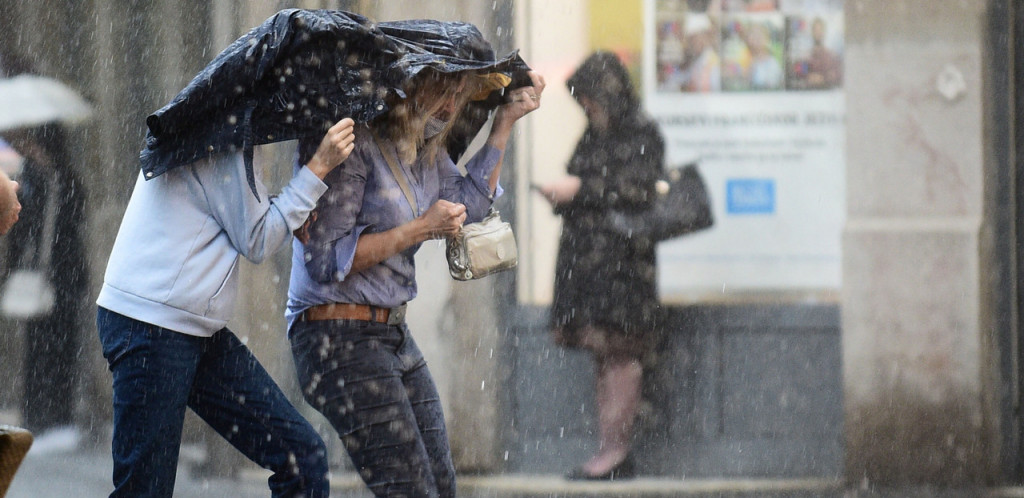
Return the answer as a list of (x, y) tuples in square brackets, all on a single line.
[(372, 384), (158, 372)]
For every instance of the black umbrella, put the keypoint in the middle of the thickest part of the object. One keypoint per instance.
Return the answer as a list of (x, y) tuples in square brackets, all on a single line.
[(301, 71)]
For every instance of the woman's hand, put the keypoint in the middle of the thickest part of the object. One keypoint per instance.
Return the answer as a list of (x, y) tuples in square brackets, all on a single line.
[(443, 219), (522, 101), (561, 191), (335, 147)]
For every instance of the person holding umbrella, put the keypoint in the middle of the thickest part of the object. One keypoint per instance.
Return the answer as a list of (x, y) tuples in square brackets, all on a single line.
[(50, 241), (48, 245), (353, 267)]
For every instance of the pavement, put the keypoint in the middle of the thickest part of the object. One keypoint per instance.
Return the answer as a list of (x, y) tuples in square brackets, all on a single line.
[(85, 472)]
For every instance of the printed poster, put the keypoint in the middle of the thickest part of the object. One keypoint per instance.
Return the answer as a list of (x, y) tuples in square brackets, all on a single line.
[(752, 90)]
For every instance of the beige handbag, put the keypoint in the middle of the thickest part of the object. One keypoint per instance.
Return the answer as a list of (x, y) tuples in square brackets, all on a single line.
[(482, 248), (479, 249)]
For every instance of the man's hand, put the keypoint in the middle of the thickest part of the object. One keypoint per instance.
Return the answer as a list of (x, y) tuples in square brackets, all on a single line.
[(335, 147)]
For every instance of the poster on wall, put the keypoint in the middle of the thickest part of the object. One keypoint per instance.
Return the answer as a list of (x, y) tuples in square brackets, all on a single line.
[(752, 90)]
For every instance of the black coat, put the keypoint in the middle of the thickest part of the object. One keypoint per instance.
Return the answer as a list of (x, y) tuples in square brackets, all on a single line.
[(68, 269), (52, 341), (603, 279), (301, 71)]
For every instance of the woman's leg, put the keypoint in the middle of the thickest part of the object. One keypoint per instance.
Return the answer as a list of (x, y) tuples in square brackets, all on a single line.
[(618, 399), (235, 395), (153, 369), (619, 383), (426, 405), (352, 373)]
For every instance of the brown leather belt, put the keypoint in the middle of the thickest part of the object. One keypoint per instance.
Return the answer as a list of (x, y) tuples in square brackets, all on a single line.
[(364, 312)]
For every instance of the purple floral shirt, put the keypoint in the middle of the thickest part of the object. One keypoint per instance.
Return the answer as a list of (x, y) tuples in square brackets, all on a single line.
[(364, 197)]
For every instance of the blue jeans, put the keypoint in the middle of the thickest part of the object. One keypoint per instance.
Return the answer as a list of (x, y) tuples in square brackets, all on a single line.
[(372, 384), (158, 372)]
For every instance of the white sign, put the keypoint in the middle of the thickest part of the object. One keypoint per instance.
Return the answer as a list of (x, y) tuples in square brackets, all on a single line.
[(752, 91)]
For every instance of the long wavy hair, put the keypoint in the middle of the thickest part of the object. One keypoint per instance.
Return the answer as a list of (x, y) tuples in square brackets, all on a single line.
[(426, 94)]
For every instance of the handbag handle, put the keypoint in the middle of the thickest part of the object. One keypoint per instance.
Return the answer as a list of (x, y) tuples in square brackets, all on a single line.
[(397, 172)]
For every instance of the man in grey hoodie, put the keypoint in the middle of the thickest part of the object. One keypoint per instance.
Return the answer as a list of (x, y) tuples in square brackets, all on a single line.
[(168, 292)]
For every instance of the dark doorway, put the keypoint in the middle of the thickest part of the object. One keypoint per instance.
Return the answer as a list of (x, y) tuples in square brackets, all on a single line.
[(1006, 104)]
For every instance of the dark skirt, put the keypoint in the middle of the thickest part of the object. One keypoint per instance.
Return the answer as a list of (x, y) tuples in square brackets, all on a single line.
[(606, 296)]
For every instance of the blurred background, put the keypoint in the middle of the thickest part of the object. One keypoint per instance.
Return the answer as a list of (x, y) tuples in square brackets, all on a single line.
[(853, 315)]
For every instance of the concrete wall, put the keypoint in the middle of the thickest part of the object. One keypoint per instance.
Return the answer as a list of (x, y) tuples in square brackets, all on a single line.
[(545, 144), (914, 357)]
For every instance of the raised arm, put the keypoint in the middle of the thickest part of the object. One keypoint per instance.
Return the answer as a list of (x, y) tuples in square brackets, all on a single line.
[(441, 220), (523, 101), (257, 228)]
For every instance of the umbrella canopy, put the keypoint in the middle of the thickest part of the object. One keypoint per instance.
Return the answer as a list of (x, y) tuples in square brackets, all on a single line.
[(301, 71), (27, 101)]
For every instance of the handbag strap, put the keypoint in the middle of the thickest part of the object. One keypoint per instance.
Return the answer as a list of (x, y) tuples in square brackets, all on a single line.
[(397, 172)]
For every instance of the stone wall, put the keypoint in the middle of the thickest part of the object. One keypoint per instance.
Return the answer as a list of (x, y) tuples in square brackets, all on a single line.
[(913, 340)]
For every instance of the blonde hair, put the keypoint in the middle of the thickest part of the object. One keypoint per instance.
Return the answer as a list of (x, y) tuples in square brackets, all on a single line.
[(426, 94)]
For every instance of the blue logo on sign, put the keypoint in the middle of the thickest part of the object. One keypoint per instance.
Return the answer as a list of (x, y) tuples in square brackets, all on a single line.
[(750, 196)]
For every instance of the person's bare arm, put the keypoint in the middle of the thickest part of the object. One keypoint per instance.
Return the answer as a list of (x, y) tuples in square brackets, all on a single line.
[(335, 147), (10, 208), (523, 101), (443, 219)]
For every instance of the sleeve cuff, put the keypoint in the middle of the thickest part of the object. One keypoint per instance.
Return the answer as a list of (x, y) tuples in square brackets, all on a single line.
[(479, 170), (345, 252), (307, 181)]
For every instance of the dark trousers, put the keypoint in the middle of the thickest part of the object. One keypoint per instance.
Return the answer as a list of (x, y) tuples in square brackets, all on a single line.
[(51, 367), (158, 372), (372, 384)]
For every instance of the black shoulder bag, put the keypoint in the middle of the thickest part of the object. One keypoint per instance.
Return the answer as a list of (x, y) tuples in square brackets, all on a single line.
[(682, 207)]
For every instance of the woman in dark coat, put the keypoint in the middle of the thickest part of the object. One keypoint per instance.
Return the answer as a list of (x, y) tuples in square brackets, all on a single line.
[(605, 290)]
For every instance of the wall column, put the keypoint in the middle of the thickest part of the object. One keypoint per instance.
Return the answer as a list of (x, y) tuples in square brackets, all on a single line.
[(916, 350)]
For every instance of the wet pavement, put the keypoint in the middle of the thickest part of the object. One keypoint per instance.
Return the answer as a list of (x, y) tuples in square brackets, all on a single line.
[(86, 472)]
